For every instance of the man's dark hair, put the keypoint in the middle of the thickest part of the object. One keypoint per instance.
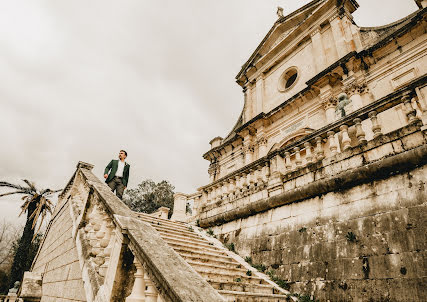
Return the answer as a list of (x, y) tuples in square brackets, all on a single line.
[(124, 152)]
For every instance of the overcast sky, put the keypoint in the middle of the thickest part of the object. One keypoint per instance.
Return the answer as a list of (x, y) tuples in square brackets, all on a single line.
[(81, 80)]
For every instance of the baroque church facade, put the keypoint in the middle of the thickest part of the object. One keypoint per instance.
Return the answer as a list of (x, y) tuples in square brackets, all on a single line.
[(318, 193), (326, 101)]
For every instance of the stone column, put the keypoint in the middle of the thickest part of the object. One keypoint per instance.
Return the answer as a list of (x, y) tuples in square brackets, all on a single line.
[(288, 163), (360, 134), (376, 127), (298, 161), (151, 291), (339, 36), (179, 205), (329, 106), (138, 290), (354, 92), (332, 145), (411, 113), (319, 149), (211, 172), (318, 50), (346, 141), (259, 95), (262, 143), (308, 154)]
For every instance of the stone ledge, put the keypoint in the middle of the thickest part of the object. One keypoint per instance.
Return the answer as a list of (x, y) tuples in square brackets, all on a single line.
[(362, 154), (381, 169)]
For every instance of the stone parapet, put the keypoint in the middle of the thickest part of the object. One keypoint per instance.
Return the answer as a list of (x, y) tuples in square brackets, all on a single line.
[(272, 174)]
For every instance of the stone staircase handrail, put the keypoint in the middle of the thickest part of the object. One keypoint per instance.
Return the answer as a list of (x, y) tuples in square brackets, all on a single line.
[(174, 279)]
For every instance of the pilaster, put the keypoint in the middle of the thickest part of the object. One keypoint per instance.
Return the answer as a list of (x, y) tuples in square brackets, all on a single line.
[(318, 49)]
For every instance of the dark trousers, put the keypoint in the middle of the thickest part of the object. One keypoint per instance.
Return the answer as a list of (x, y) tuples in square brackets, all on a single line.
[(116, 184)]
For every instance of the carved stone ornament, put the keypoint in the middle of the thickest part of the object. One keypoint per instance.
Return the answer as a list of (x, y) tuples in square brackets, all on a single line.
[(330, 102), (262, 140), (248, 148), (356, 88)]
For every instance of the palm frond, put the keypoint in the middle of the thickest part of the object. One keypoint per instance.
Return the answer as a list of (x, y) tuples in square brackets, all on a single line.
[(11, 193), (27, 203), (35, 215), (30, 184), (13, 186), (34, 198), (49, 192)]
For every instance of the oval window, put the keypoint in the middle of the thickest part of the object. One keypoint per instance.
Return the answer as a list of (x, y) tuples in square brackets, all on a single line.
[(288, 79)]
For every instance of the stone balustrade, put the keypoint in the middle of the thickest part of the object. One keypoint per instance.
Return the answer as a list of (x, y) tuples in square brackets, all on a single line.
[(266, 176), (121, 257), (143, 289)]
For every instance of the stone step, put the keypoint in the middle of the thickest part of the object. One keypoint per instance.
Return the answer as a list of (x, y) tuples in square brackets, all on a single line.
[(243, 287), (194, 247), (213, 263), (155, 221), (183, 251), (234, 296), (147, 217), (184, 238), (231, 277), (170, 230), (217, 267), (210, 261)]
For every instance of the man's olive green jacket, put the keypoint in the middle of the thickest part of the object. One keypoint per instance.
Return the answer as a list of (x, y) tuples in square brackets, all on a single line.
[(112, 167)]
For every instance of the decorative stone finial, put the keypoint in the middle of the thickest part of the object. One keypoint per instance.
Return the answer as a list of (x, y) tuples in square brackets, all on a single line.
[(279, 12)]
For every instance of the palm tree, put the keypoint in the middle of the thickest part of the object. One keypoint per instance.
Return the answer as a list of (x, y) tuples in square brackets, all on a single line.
[(36, 204)]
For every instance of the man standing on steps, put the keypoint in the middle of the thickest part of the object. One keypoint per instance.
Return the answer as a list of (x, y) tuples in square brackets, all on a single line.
[(116, 174)]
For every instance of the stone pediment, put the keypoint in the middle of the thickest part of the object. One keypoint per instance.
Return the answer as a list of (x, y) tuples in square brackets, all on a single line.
[(288, 30)]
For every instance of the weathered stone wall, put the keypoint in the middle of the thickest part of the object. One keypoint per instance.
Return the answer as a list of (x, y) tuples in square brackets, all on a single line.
[(309, 243), (58, 261)]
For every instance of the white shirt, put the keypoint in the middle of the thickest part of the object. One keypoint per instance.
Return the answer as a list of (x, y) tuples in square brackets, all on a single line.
[(120, 168)]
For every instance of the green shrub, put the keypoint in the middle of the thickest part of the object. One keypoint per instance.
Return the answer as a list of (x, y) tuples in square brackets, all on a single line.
[(260, 267), (230, 246), (351, 237)]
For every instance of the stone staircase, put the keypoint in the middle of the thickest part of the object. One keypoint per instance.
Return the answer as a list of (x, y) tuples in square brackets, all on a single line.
[(224, 270)]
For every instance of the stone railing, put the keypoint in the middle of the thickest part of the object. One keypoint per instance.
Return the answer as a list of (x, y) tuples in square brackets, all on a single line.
[(181, 201), (121, 257), (266, 176)]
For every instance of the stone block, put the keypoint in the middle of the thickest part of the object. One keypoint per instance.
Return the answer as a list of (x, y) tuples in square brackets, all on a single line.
[(379, 152), (334, 270), (281, 212), (397, 146), (413, 140), (74, 271), (31, 287)]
